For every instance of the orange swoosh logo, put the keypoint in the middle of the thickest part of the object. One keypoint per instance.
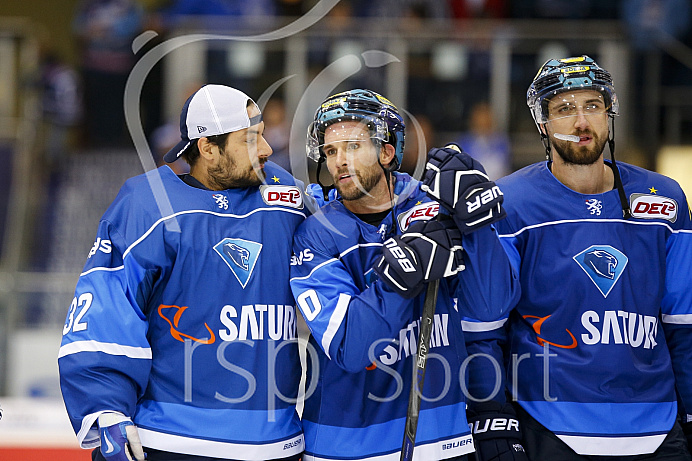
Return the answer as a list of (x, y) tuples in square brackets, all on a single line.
[(537, 328), (174, 325)]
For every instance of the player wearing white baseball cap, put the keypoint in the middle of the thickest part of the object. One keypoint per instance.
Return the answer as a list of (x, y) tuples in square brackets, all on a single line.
[(155, 356)]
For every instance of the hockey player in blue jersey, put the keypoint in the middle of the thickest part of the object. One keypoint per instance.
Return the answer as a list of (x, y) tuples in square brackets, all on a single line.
[(600, 342), (358, 274), (181, 338)]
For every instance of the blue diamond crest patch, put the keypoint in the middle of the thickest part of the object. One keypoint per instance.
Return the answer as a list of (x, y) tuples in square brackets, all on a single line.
[(240, 256), (603, 264)]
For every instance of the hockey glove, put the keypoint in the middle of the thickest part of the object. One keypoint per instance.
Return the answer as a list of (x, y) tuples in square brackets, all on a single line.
[(429, 250), (119, 438), (496, 432), (460, 184)]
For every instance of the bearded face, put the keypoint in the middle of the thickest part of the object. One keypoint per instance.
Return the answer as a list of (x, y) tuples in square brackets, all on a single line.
[(582, 115)]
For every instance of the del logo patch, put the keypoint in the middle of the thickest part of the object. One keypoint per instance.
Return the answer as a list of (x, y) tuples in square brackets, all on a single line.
[(422, 212), (240, 256), (282, 195), (603, 264), (653, 207)]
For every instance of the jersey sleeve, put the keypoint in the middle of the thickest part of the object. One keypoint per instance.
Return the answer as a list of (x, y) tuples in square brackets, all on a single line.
[(104, 358), (489, 286), (676, 308), (346, 322)]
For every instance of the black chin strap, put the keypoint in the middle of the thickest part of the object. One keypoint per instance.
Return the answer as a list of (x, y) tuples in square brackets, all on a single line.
[(546, 143), (626, 211), (325, 189)]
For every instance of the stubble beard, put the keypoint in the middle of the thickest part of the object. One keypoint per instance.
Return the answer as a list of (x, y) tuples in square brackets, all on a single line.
[(360, 187)]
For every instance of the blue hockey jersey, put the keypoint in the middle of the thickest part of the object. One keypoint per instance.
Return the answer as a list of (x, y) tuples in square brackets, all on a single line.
[(186, 322), (364, 335), (602, 332)]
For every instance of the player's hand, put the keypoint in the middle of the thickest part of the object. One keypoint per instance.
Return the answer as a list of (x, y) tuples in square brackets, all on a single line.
[(460, 184), (496, 432), (428, 250), (119, 438)]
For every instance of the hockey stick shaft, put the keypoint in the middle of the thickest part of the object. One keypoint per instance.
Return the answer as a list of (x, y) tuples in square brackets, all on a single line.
[(419, 367)]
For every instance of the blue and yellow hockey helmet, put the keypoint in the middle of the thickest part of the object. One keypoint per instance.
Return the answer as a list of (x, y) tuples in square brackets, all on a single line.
[(561, 75), (381, 116)]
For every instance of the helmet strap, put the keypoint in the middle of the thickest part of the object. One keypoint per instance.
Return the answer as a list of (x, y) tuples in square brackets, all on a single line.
[(626, 211), (545, 139), (325, 189)]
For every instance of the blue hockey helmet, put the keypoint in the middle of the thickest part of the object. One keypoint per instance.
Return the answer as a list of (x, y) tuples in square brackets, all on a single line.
[(381, 116), (560, 75)]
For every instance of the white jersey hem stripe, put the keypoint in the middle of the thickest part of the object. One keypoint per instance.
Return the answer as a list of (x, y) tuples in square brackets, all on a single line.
[(434, 450), (482, 326), (613, 446), (216, 449), (107, 348)]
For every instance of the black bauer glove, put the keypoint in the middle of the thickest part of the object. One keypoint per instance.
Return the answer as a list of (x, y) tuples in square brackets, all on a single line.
[(428, 250), (496, 432), (460, 184)]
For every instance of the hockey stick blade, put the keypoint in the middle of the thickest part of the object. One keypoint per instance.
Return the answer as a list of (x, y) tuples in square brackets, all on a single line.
[(419, 367)]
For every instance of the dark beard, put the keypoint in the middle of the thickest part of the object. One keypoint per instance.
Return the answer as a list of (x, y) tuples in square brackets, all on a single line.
[(364, 185), (579, 155), (223, 177)]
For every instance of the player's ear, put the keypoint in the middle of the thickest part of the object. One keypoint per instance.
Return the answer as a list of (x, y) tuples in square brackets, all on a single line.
[(543, 128), (205, 148), (387, 154)]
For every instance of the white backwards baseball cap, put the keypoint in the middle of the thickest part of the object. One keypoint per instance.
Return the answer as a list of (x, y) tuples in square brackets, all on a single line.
[(212, 110)]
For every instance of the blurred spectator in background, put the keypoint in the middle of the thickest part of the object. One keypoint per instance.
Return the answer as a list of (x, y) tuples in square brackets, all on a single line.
[(654, 28), (564, 9), (485, 144), (420, 138), (234, 17), (105, 30), (277, 131), (61, 103), (653, 23), (466, 9)]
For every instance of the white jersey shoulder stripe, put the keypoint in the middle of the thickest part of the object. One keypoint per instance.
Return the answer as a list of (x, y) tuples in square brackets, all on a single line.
[(107, 269), (572, 221), (214, 213), (331, 260), (107, 348)]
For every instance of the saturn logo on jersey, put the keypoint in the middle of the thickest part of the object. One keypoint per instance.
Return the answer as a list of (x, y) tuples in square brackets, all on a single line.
[(240, 256), (541, 339), (603, 264)]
